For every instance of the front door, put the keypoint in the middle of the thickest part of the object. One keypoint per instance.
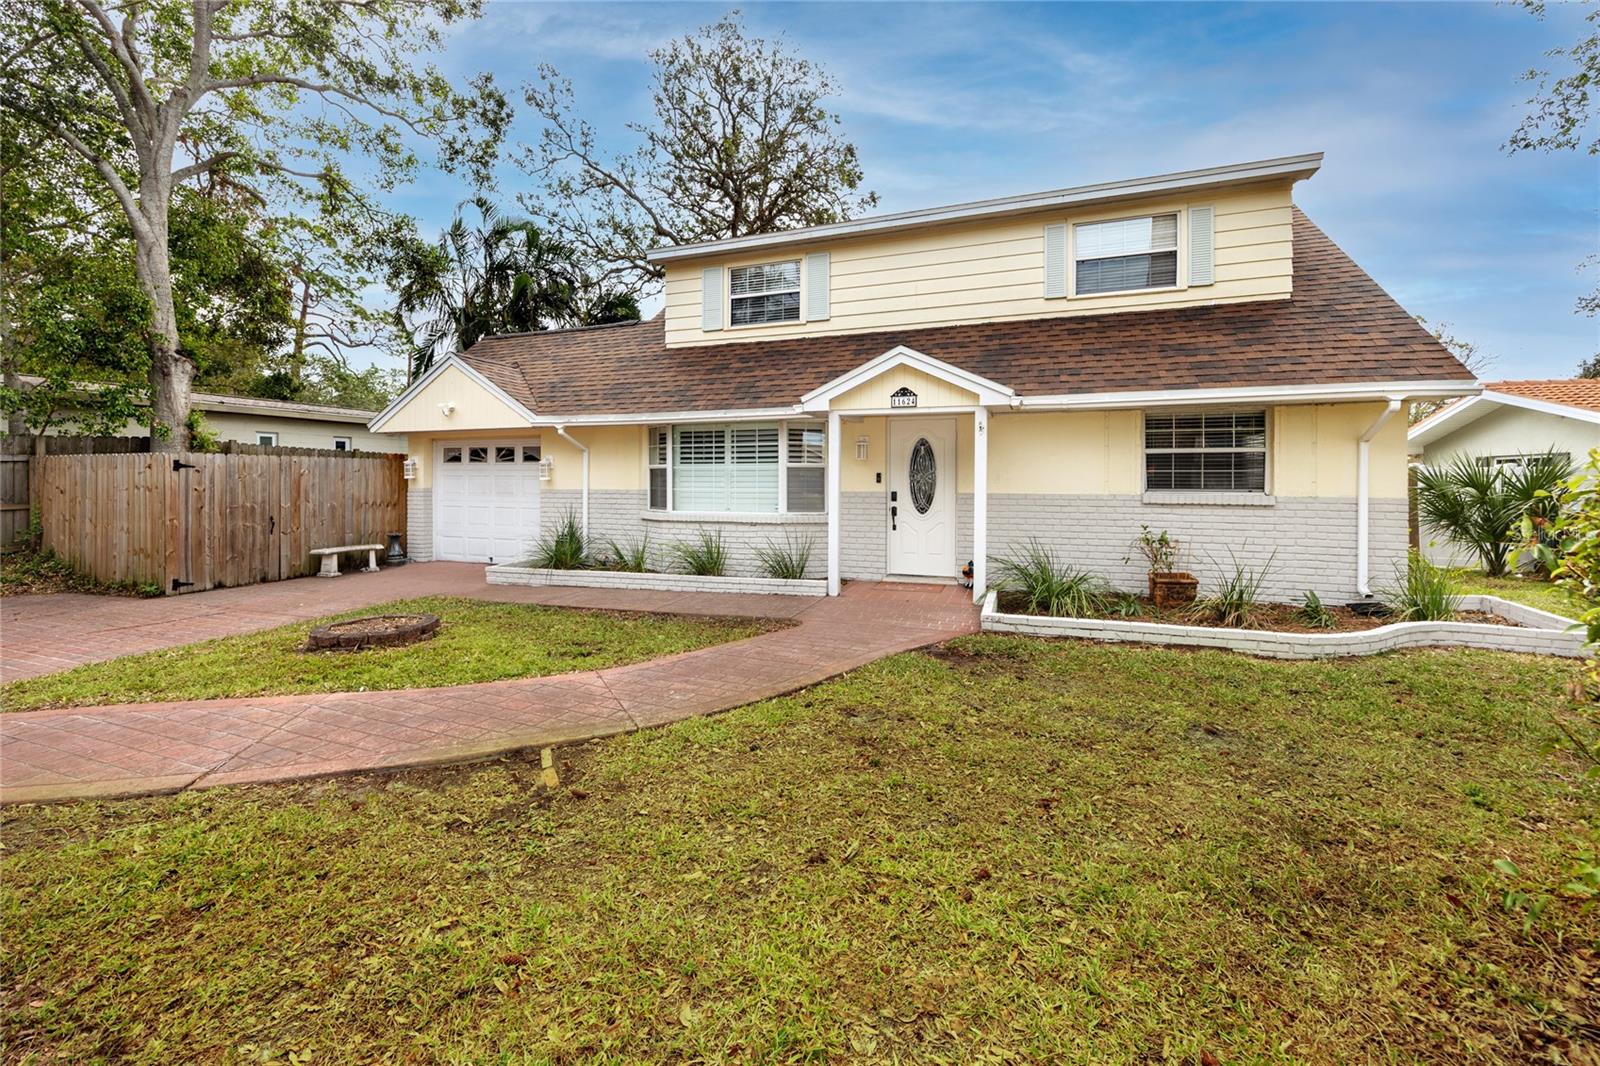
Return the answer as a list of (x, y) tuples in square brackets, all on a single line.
[(922, 496)]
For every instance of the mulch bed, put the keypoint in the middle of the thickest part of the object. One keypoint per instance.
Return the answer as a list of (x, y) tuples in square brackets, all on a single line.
[(1278, 617)]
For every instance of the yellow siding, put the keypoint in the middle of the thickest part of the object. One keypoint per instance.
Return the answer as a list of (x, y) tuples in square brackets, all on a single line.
[(475, 408), (1313, 451), (993, 271), (931, 391)]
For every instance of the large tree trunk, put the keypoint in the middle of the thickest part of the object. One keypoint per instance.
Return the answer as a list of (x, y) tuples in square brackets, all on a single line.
[(171, 372)]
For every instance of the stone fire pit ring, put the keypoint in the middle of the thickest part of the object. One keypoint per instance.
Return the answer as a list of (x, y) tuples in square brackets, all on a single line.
[(373, 631)]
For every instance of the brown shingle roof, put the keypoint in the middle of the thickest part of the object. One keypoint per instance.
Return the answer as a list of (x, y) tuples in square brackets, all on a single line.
[(1339, 327), (1573, 392)]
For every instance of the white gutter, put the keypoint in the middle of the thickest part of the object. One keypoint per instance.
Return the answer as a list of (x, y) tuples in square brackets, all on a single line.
[(1363, 498), (561, 431)]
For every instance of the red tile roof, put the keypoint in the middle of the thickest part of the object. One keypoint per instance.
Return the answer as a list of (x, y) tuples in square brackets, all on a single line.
[(1572, 392), (1339, 327)]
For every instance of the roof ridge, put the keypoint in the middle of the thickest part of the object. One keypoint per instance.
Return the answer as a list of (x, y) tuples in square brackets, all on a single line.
[(566, 329)]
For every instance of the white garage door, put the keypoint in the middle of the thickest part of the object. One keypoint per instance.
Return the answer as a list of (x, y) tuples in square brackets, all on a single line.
[(486, 501)]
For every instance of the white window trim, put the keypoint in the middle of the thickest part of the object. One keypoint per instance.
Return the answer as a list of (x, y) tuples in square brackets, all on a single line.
[(1264, 497), (728, 296), (349, 444), (781, 514), (273, 443), (1182, 282)]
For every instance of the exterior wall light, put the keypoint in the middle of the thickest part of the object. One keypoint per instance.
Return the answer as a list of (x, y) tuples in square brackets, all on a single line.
[(409, 469), (448, 408), (547, 467), (861, 448)]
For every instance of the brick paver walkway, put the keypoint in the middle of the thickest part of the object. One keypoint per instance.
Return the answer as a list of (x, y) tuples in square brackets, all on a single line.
[(136, 748)]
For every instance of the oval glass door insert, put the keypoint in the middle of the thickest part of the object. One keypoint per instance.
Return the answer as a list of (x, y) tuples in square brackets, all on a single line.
[(923, 475)]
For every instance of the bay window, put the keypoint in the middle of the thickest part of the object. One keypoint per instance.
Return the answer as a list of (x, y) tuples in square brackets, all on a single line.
[(737, 468), (1207, 451)]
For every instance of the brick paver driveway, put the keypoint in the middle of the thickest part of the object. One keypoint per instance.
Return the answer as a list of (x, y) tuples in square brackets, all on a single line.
[(135, 748)]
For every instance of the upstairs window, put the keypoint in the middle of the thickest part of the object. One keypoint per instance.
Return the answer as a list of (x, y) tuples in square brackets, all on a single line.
[(764, 293), (1211, 451), (1125, 255)]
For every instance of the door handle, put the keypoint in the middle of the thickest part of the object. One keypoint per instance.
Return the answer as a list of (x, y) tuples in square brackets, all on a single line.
[(893, 513)]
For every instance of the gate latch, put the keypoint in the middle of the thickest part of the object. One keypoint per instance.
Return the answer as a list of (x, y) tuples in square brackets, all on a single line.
[(179, 464), (176, 584)]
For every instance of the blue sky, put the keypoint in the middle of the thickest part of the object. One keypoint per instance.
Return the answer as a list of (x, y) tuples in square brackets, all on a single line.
[(1411, 103)]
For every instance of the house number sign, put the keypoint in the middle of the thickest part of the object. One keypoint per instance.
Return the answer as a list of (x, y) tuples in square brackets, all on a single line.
[(902, 397)]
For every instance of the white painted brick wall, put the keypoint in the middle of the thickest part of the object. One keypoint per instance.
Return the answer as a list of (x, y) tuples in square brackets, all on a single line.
[(863, 536), (614, 579), (419, 525), (1315, 539), (622, 515)]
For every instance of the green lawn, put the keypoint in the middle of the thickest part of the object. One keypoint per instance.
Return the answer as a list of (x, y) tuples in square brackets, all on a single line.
[(1529, 590), (478, 641), (1007, 850)]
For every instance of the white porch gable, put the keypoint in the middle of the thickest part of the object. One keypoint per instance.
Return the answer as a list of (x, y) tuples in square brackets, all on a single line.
[(905, 382), (986, 393)]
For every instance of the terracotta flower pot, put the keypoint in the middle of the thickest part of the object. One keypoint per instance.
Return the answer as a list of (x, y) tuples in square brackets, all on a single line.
[(1173, 589)]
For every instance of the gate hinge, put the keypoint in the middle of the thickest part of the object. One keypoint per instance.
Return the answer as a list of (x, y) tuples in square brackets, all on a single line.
[(179, 464), (176, 584)]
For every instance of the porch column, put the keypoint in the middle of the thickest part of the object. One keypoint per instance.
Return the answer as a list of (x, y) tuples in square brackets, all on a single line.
[(833, 502), (980, 502)]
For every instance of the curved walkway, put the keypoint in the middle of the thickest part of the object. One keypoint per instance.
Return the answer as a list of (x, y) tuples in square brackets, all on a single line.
[(129, 749)]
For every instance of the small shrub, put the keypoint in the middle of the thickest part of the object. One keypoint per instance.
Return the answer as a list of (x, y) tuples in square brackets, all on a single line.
[(788, 561), (631, 556), (1423, 592), (1480, 506), (563, 548), (1313, 613), (1048, 586), (705, 556), (1160, 551), (1237, 597)]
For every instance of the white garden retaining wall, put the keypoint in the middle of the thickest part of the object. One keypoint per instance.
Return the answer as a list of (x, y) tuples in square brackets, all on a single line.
[(620, 579), (1542, 633)]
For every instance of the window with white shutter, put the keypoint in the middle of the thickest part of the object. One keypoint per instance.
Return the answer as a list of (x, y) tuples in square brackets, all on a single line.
[(1125, 254), (764, 293)]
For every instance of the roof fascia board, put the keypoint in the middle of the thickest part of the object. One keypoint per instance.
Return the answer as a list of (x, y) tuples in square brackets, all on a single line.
[(1530, 403), (421, 383), (988, 392), (221, 405), (1344, 393), (1296, 166)]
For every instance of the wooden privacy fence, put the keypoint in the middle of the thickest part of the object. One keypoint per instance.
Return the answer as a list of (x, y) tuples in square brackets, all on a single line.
[(16, 498), (197, 521)]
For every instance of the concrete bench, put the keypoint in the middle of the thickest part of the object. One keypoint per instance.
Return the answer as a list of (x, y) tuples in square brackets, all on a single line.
[(330, 558)]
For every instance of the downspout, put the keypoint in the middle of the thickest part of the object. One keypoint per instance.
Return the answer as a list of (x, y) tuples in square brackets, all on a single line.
[(1364, 499), (561, 431)]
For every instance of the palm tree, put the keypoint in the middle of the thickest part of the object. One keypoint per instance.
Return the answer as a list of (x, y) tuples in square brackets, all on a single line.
[(1479, 506), (502, 275)]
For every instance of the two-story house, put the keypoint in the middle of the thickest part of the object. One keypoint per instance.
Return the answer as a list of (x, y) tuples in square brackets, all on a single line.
[(1187, 352)]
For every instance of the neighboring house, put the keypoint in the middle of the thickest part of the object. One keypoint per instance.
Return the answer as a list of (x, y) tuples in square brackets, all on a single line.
[(1508, 421), (290, 425), (1512, 419), (278, 422), (912, 391)]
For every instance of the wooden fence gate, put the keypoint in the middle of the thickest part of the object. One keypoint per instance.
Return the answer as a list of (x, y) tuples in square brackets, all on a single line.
[(197, 521)]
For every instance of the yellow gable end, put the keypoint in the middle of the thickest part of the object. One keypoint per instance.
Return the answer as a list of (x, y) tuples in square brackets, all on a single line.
[(454, 401), (930, 391)]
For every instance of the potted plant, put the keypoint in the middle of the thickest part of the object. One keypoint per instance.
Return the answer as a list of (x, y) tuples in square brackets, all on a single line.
[(1169, 586)]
